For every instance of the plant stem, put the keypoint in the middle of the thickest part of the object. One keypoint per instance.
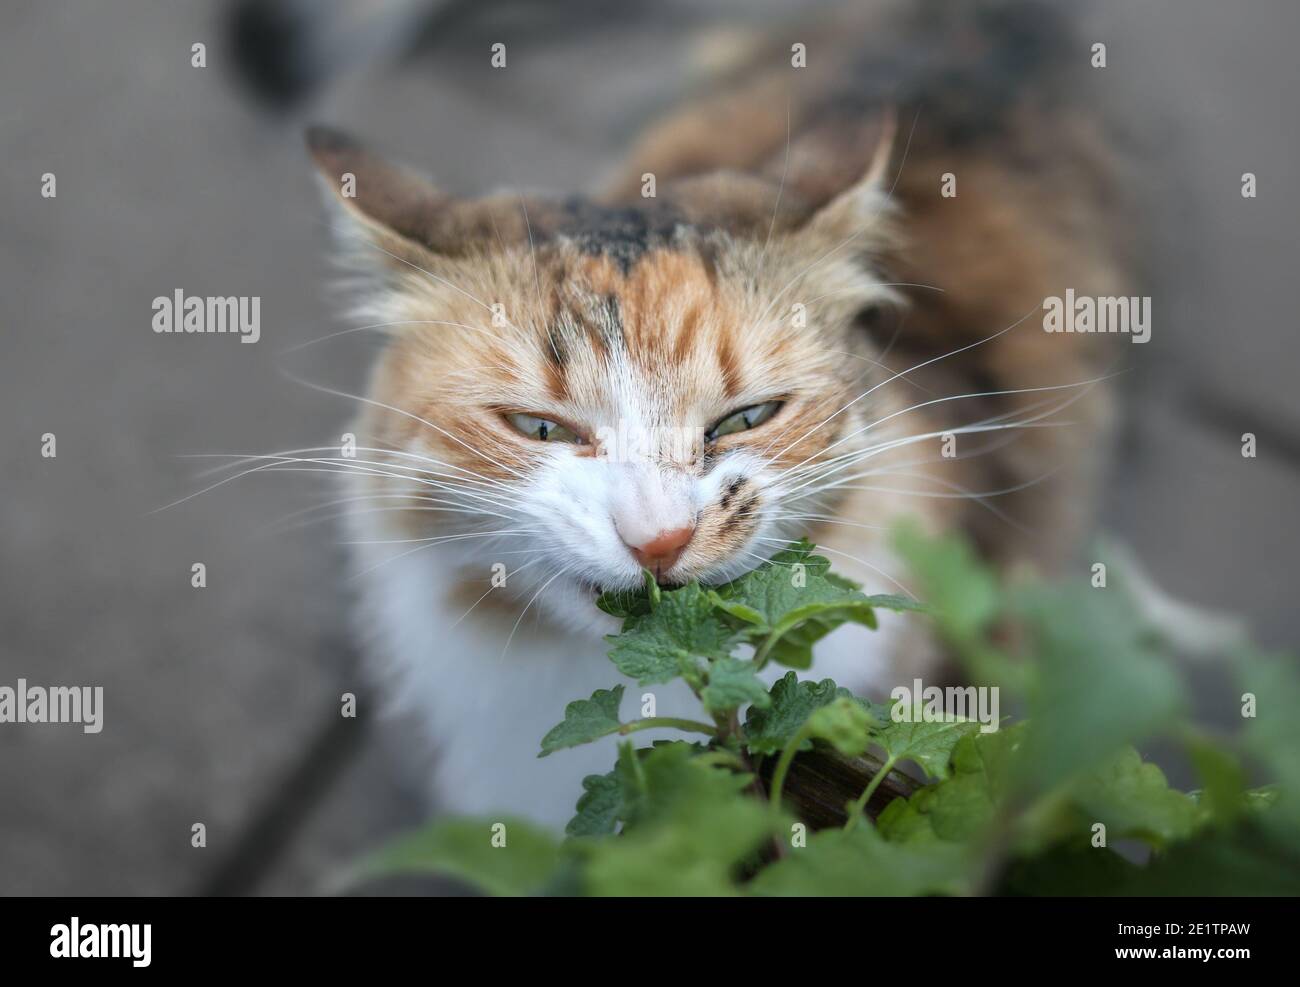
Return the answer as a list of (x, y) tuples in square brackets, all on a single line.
[(855, 812), (650, 722), (783, 764), (760, 655), (720, 756)]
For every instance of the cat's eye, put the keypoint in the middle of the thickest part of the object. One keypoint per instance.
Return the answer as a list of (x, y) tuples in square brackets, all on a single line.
[(543, 429), (743, 420)]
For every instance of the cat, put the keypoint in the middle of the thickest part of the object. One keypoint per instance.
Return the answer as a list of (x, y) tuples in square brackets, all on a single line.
[(802, 332)]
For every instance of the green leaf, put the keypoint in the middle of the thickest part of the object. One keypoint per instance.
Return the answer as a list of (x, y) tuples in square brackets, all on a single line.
[(585, 720), (769, 730), (628, 604), (1100, 684), (1248, 861), (470, 850), (661, 643), (899, 604), (794, 592), (794, 649), (732, 683), (1077, 868), (844, 723), (1272, 735), (862, 864), (929, 744), (1133, 799), (960, 807), (600, 806), (962, 591), (1223, 793), (691, 827)]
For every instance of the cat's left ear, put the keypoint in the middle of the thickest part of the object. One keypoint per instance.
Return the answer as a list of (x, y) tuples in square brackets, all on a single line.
[(861, 210), (391, 206)]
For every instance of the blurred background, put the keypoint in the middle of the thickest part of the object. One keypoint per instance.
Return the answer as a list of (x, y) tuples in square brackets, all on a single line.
[(222, 703)]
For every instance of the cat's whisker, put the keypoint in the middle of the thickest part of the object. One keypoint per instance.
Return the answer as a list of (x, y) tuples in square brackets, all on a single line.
[(490, 588), (411, 551), (818, 465), (958, 397), (962, 494), (877, 363), (384, 325), (363, 498), (439, 539), (785, 169), (537, 280), (473, 512), (854, 558), (365, 467), (978, 497), (469, 373), (876, 450), (240, 459), (901, 374), (338, 468), (828, 520), (531, 601), (416, 418), (883, 284)]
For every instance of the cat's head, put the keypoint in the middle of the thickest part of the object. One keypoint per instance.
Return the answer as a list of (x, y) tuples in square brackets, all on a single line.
[(577, 391)]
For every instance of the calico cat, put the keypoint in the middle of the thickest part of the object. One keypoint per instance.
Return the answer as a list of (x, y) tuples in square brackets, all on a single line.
[(803, 332)]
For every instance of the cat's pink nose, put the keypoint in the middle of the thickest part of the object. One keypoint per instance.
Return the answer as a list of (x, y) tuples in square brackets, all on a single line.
[(662, 551)]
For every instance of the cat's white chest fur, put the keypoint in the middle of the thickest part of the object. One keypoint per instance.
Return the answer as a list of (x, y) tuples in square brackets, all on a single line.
[(484, 693)]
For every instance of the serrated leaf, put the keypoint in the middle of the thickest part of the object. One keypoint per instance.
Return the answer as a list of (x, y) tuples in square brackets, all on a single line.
[(464, 849), (793, 592), (585, 720), (732, 683), (769, 730), (1133, 799), (599, 808), (959, 807), (691, 827), (683, 627), (927, 743)]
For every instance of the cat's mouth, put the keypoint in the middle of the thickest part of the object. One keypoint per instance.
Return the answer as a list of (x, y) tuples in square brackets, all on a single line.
[(595, 590)]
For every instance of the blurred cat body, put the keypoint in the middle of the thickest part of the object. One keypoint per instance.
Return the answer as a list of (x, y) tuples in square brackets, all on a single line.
[(840, 343)]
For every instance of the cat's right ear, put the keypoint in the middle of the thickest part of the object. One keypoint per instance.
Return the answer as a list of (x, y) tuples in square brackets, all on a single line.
[(391, 207)]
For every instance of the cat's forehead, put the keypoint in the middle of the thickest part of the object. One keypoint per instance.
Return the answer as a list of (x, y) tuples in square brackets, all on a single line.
[(628, 311), (663, 327)]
